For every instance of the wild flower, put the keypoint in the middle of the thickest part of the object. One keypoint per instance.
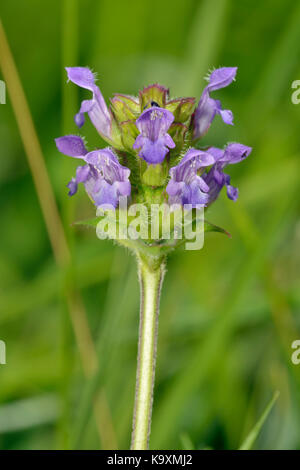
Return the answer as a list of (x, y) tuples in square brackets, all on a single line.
[(154, 156)]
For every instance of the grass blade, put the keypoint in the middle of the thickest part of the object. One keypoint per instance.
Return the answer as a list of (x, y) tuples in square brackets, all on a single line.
[(253, 434)]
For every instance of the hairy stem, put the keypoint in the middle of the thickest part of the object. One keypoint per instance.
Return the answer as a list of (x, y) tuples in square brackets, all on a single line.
[(151, 276)]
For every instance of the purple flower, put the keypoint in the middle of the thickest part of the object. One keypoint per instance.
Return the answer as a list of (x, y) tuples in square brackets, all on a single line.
[(209, 107), (153, 140), (216, 178), (162, 125), (186, 186), (105, 180), (95, 107)]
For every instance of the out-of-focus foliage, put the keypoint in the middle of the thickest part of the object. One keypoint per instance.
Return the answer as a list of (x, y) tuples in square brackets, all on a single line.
[(229, 312)]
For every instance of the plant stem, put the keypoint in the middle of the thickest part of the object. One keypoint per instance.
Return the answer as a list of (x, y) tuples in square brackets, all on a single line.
[(151, 274)]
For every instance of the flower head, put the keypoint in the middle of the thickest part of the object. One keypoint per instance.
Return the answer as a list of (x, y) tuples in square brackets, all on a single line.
[(104, 178), (153, 136)]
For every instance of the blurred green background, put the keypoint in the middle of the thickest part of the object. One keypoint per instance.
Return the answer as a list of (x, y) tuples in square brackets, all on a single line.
[(229, 312)]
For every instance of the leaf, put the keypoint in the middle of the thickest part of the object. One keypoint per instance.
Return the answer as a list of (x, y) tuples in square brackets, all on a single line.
[(175, 243), (209, 227), (89, 222), (252, 436)]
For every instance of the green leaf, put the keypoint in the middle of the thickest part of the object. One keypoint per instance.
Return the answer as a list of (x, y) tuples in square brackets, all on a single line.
[(209, 227), (252, 436), (89, 222), (175, 243)]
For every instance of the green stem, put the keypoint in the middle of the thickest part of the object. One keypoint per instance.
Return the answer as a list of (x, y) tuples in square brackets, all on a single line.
[(151, 274)]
